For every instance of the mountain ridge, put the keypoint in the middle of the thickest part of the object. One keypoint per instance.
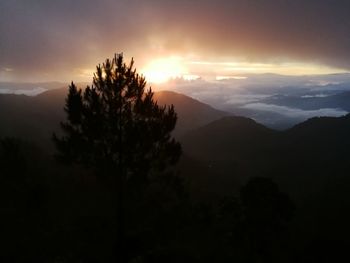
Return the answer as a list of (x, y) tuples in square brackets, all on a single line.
[(41, 114)]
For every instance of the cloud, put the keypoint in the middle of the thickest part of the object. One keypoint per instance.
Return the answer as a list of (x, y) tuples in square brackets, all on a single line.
[(44, 39), (294, 112), (238, 99), (28, 92), (321, 95)]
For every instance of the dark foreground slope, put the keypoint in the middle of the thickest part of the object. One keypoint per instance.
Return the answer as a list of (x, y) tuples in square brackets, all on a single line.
[(317, 145), (310, 162), (53, 213)]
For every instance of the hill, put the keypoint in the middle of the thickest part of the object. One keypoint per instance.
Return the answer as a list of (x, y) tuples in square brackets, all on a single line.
[(38, 116), (309, 162), (192, 113), (227, 138)]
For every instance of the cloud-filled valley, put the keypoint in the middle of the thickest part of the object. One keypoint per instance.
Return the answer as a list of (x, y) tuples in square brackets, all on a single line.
[(273, 100)]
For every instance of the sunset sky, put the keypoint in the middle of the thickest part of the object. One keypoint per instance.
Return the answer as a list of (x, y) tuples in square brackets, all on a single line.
[(43, 40)]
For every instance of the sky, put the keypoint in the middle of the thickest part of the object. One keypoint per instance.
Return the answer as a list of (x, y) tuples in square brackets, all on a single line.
[(42, 40)]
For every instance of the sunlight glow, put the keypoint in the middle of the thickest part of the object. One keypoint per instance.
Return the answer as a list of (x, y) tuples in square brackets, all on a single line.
[(168, 68), (288, 68), (84, 72), (162, 70)]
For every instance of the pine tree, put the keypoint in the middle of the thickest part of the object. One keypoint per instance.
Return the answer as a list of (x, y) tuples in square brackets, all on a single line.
[(117, 129)]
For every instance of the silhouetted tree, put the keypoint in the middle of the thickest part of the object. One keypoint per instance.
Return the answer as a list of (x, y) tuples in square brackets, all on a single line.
[(267, 211), (257, 221), (117, 129)]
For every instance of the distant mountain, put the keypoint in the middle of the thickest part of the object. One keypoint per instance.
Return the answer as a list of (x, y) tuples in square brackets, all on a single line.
[(36, 117), (191, 113)]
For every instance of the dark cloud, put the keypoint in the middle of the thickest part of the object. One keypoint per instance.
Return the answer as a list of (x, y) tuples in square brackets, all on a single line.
[(52, 38)]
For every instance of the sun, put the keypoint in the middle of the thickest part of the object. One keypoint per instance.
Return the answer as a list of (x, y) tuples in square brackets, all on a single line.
[(164, 69)]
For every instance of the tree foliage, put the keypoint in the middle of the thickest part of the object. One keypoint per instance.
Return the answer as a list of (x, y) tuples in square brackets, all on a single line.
[(257, 221), (116, 127)]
